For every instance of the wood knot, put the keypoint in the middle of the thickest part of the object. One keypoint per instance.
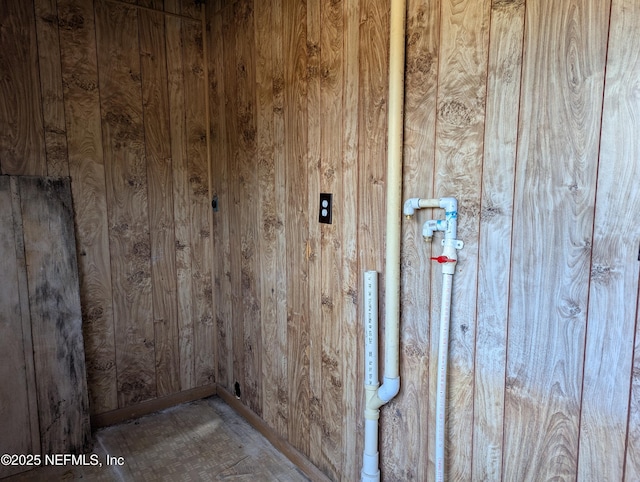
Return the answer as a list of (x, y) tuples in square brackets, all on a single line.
[(455, 113), (601, 274), (489, 212), (313, 49), (328, 361), (142, 249), (242, 12), (352, 293), (84, 84), (420, 64), (277, 85), (94, 314), (505, 4), (70, 21)]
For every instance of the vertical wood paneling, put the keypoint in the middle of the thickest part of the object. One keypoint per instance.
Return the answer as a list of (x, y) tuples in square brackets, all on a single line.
[(352, 364), (314, 250), (200, 203), (280, 161), (372, 122), (25, 320), (18, 411), (190, 8), (220, 188), (86, 166), (126, 175), (613, 295), (419, 151), (51, 87), (56, 319), (459, 147), (155, 186), (181, 201), (160, 187), (565, 46), (501, 124), (331, 241), (268, 219), (297, 98), (297, 215), (245, 79), (632, 452), (229, 58), (22, 143)]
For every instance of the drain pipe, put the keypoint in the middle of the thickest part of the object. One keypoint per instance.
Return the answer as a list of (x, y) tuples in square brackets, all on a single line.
[(370, 470), (448, 259), (378, 396)]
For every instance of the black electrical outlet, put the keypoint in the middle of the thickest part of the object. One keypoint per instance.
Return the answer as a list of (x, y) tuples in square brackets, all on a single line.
[(326, 208)]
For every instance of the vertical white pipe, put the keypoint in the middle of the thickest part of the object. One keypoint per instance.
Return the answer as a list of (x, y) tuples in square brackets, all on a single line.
[(371, 329), (376, 397), (441, 388), (449, 226), (394, 190), (370, 471), (370, 462)]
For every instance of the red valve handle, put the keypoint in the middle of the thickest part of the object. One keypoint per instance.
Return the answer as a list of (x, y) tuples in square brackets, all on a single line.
[(444, 259)]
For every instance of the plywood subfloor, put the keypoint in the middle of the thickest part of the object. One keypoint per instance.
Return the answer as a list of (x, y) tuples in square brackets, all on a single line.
[(198, 441)]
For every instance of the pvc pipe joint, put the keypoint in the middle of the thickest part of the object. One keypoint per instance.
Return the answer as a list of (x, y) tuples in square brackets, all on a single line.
[(370, 460), (397, 23), (449, 258), (431, 226), (449, 204), (410, 205), (389, 388)]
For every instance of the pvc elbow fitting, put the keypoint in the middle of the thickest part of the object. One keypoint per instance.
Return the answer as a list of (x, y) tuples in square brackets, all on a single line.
[(389, 389), (377, 398), (449, 204), (410, 206), (432, 226)]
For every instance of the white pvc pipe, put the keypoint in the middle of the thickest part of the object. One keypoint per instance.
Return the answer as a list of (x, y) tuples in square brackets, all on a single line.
[(394, 199), (371, 329), (441, 389), (370, 470), (376, 397), (410, 205), (449, 226)]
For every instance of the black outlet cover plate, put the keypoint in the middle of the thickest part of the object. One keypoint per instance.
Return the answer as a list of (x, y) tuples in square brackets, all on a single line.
[(325, 210)]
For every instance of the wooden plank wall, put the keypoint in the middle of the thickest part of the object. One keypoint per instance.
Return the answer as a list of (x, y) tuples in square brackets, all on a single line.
[(524, 109), (508, 107), (44, 406), (55, 312), (18, 401), (113, 94)]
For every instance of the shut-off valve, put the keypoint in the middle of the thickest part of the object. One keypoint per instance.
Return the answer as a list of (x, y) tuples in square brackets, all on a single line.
[(448, 226)]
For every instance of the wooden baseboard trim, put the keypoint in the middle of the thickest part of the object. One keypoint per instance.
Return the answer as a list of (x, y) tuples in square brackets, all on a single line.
[(127, 413), (284, 447)]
